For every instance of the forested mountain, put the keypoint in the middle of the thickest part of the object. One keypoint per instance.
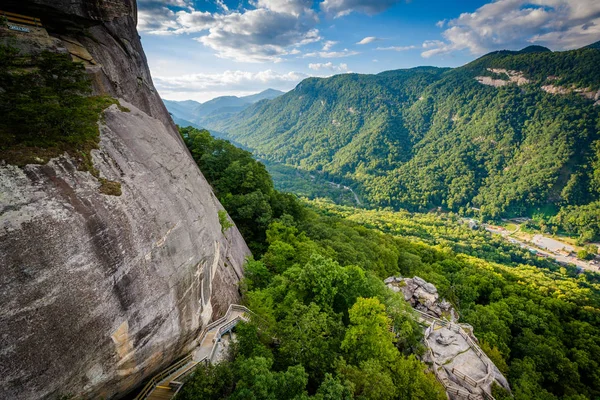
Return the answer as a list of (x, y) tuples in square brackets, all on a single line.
[(508, 133), (323, 314), (193, 112)]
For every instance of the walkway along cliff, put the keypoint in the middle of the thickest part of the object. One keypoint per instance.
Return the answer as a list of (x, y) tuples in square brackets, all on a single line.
[(99, 292), (453, 352)]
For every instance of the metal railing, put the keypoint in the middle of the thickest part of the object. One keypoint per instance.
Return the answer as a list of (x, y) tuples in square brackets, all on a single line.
[(149, 387), (161, 376), (437, 367), (222, 330)]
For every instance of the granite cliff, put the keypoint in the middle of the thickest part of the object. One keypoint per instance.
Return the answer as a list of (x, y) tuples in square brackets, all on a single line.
[(99, 292)]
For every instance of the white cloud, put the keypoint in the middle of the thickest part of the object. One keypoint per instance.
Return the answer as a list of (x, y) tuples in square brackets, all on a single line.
[(205, 86), (258, 35), (221, 3), (511, 24), (339, 8), (329, 66), (157, 19), (294, 7), (327, 45), (332, 54), (148, 4), (273, 29), (397, 48), (428, 44), (156, 15), (369, 39)]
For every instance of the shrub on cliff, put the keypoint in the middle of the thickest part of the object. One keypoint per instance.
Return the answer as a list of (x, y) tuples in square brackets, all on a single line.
[(46, 107)]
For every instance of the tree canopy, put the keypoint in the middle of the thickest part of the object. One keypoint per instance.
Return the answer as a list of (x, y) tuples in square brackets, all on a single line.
[(323, 314), (430, 137)]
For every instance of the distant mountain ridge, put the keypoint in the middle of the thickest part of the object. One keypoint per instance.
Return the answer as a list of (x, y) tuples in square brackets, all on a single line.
[(507, 133), (594, 45), (194, 113)]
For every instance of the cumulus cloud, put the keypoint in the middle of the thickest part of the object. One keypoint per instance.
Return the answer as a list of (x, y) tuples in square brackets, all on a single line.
[(156, 20), (329, 66), (369, 39), (221, 3), (397, 48), (149, 4), (229, 82), (271, 30), (257, 35), (339, 8), (510, 24), (294, 7), (157, 15)]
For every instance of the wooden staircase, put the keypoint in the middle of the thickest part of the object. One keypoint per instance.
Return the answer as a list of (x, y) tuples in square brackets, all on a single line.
[(168, 387), (166, 384)]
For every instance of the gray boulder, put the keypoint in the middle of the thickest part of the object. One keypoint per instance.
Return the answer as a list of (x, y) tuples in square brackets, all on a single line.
[(423, 296)]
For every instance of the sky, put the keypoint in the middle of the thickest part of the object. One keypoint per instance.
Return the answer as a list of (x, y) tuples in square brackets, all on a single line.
[(201, 49)]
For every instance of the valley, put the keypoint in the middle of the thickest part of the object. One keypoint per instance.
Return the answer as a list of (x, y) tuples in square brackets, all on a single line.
[(431, 137), (496, 286), (426, 233), (499, 230)]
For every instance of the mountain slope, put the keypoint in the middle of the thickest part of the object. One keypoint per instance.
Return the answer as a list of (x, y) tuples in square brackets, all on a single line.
[(268, 94), (332, 116), (182, 109), (506, 133), (217, 108)]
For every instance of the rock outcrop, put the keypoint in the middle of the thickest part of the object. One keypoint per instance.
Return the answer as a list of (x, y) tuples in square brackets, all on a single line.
[(453, 352), (100, 292), (516, 77), (422, 296), (103, 34), (463, 368), (587, 93)]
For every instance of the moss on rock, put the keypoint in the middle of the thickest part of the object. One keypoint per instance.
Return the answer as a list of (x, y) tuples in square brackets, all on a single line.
[(110, 188)]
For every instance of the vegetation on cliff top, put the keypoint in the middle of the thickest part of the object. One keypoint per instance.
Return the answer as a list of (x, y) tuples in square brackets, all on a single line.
[(47, 110)]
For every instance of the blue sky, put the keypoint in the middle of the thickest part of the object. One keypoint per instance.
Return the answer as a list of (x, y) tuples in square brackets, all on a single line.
[(201, 49)]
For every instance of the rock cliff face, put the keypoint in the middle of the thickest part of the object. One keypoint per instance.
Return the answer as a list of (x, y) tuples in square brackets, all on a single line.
[(99, 292)]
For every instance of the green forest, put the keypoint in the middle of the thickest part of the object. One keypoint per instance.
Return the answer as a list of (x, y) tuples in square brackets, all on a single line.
[(432, 137), (323, 315)]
